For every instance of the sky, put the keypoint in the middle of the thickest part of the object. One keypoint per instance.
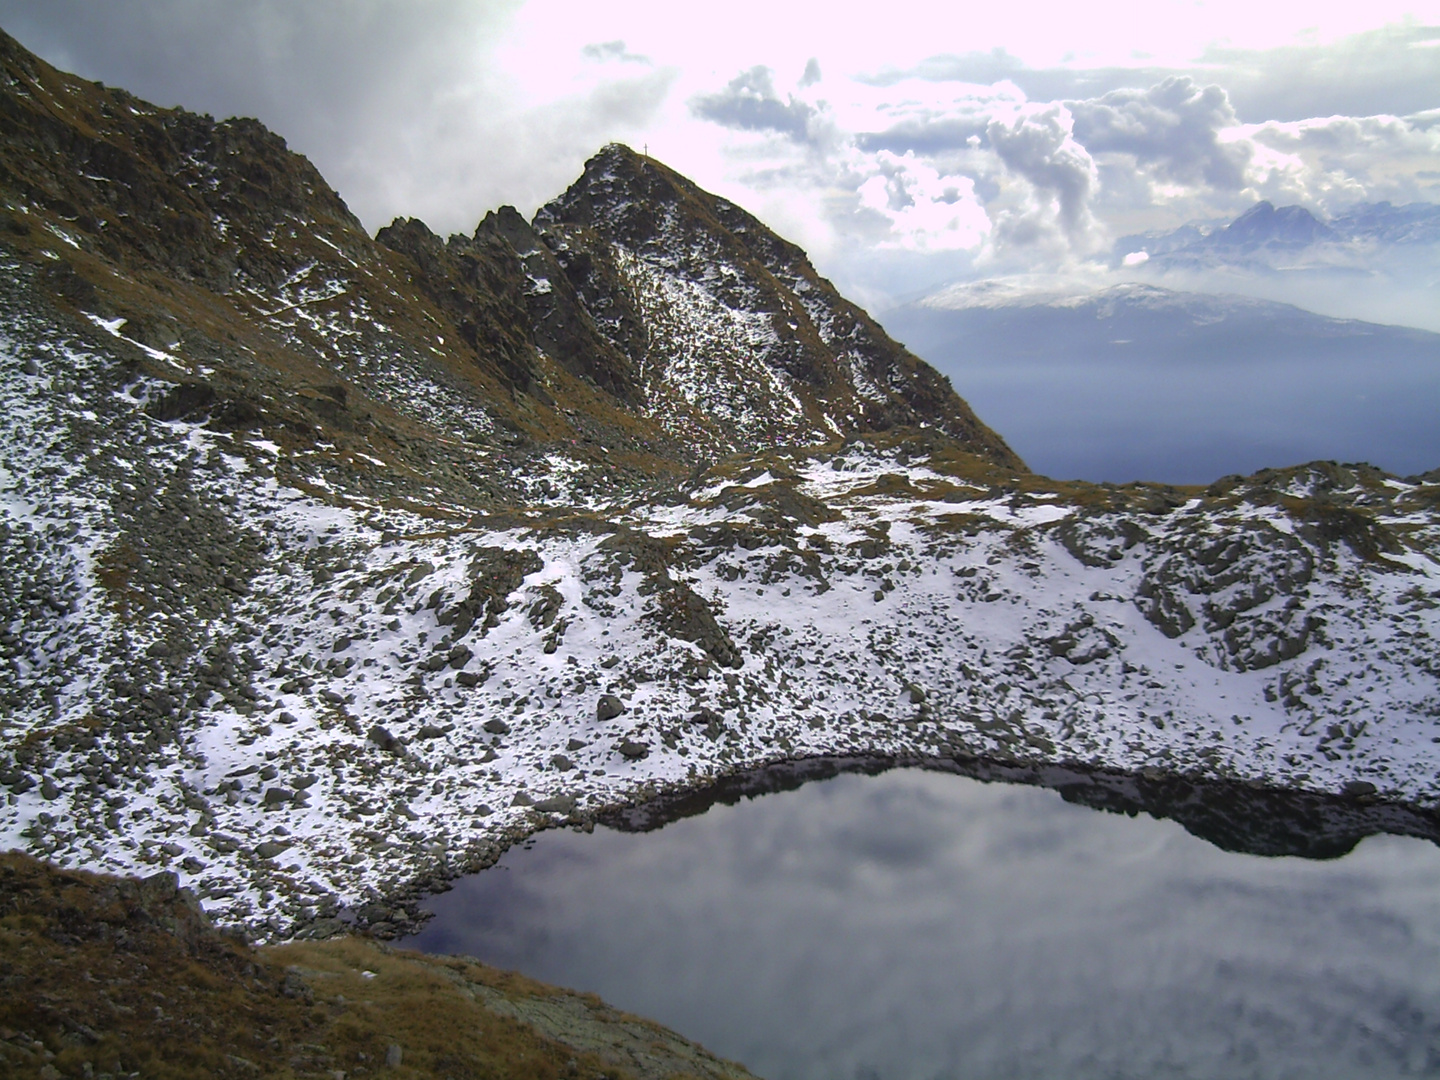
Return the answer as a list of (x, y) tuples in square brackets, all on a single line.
[(904, 145)]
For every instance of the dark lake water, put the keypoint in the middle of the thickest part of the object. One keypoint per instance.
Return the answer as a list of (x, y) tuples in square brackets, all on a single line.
[(916, 925)]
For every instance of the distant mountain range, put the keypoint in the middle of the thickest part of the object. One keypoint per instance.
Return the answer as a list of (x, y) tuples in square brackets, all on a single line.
[(1137, 380), (1270, 237)]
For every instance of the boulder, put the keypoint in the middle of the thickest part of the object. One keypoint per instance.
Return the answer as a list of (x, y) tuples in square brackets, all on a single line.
[(558, 804), (384, 740), (633, 751)]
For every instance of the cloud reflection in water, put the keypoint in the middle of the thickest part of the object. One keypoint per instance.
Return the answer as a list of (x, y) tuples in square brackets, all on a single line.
[(917, 925)]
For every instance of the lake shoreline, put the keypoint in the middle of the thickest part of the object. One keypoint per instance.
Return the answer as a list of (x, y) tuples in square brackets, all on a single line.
[(1234, 815)]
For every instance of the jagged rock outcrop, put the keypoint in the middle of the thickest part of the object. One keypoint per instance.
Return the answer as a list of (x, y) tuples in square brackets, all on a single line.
[(716, 293)]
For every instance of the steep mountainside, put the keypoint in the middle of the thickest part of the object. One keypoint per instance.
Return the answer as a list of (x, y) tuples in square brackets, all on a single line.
[(329, 566), (734, 336), (221, 249)]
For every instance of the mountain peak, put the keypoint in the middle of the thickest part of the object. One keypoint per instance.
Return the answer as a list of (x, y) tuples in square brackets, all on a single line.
[(1264, 223), (630, 195), (738, 341)]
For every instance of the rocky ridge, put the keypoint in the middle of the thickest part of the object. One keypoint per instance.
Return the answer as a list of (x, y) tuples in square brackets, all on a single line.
[(331, 565)]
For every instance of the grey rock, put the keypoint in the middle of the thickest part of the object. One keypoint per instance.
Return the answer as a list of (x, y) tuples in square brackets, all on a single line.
[(429, 731), (576, 744), (277, 796), (322, 928), (543, 611), (393, 1056), (713, 721), (271, 848), (159, 888), (633, 751), (460, 656), (561, 762), (497, 727), (559, 804), (471, 678), (341, 643), (293, 986), (608, 708), (384, 740)]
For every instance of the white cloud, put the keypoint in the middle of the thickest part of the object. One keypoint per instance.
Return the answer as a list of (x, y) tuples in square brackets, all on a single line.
[(1172, 128), (608, 51), (749, 102), (1335, 161), (1037, 143), (926, 211)]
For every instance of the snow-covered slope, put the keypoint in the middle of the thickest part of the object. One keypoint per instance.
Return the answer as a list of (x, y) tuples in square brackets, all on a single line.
[(311, 698), (326, 581)]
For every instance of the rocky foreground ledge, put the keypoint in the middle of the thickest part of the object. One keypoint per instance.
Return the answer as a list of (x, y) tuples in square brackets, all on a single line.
[(309, 702)]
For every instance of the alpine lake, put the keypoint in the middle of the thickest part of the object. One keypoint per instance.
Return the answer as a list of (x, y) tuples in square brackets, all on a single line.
[(850, 918)]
